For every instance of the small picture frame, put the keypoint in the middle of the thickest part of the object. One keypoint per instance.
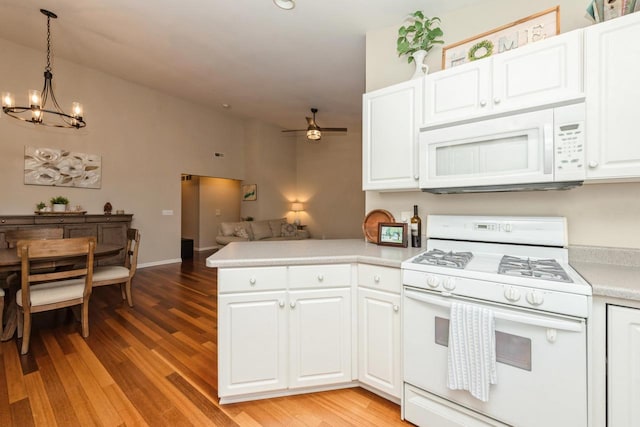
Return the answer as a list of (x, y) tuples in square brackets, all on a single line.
[(393, 234), (249, 192)]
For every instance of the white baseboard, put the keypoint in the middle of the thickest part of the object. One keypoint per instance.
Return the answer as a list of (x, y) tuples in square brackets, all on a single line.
[(154, 263)]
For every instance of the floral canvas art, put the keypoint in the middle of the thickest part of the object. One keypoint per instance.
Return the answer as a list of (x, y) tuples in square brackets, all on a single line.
[(61, 168)]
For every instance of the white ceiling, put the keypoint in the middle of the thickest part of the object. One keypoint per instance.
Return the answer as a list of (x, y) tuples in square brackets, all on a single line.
[(267, 63)]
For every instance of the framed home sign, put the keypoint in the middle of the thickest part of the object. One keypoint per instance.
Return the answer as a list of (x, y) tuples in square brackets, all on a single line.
[(502, 39), (393, 234)]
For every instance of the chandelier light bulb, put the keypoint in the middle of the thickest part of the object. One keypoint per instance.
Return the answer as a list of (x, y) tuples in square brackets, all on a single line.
[(34, 98), (7, 99), (76, 109)]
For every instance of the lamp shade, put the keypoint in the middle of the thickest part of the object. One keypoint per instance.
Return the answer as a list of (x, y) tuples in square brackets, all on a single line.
[(297, 207)]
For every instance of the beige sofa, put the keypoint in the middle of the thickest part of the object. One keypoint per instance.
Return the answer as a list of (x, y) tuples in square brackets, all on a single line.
[(268, 230)]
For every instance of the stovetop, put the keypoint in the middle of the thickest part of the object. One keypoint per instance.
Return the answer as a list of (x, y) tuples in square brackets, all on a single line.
[(548, 269)]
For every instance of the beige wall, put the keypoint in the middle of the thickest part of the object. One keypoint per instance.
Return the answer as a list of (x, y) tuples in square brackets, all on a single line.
[(598, 214), (214, 194), (271, 165), (146, 140), (330, 185)]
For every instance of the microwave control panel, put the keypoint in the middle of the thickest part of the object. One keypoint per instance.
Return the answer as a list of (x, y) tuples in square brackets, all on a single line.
[(570, 151)]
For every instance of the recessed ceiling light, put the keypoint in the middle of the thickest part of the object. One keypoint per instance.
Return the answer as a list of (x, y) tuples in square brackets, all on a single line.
[(285, 4), (226, 105)]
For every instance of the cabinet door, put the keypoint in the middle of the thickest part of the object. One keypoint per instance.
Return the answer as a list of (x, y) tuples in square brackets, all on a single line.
[(623, 376), (539, 73), (458, 92), (379, 340), (320, 337), (612, 66), (390, 126), (80, 230), (116, 234), (252, 343)]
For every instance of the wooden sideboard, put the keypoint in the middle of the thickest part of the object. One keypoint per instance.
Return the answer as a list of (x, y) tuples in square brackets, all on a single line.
[(105, 228)]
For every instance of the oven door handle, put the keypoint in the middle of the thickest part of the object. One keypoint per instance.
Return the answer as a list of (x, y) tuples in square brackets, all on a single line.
[(564, 325)]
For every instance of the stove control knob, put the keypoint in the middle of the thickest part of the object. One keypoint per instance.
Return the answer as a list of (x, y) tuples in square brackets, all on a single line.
[(512, 294), (433, 281), (508, 228), (535, 298), (449, 283)]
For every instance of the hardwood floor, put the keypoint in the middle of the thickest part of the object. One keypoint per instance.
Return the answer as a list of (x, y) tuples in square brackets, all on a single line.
[(154, 364)]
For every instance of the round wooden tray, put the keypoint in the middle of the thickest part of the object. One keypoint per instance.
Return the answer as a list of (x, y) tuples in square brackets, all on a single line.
[(370, 224)]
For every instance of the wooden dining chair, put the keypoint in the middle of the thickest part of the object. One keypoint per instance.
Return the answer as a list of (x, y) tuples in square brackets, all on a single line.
[(49, 290), (11, 237), (118, 274)]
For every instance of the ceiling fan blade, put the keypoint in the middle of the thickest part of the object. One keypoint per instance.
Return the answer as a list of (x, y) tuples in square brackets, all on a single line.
[(333, 129)]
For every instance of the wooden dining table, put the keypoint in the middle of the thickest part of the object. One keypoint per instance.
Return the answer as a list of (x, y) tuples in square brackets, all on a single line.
[(11, 262)]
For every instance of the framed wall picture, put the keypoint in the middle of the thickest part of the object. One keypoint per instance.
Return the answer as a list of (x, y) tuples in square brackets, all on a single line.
[(393, 234), (527, 30), (249, 192)]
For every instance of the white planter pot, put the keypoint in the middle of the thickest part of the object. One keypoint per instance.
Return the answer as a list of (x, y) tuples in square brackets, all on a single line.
[(59, 208), (421, 68)]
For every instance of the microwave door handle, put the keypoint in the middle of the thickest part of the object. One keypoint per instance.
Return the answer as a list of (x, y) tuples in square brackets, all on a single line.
[(547, 135), (565, 325)]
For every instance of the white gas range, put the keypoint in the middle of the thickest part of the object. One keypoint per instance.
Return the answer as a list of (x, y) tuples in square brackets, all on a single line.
[(516, 267)]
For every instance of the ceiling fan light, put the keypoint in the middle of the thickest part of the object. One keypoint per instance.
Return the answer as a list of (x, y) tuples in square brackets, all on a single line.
[(285, 4), (314, 134)]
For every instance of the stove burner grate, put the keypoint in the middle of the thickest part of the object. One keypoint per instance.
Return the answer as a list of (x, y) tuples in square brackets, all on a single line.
[(547, 269), (444, 259)]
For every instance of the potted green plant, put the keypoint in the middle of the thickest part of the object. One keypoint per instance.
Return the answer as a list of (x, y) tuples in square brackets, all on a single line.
[(40, 206), (417, 38), (59, 204)]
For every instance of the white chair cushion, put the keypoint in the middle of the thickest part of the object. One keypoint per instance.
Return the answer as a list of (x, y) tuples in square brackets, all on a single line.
[(1, 294), (53, 292), (110, 273)]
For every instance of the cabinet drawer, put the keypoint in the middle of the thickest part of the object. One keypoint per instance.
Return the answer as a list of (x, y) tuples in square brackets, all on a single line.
[(320, 276), (15, 220), (69, 219), (251, 279), (381, 278), (109, 218)]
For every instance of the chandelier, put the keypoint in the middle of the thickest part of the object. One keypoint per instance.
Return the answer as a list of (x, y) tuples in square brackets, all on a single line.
[(37, 112)]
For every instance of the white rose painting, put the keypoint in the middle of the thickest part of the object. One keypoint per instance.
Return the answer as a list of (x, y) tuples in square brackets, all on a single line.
[(62, 168)]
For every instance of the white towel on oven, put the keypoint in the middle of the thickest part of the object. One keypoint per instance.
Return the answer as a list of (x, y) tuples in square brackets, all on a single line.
[(472, 350)]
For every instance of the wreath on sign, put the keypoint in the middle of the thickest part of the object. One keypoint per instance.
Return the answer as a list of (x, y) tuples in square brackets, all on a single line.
[(482, 49)]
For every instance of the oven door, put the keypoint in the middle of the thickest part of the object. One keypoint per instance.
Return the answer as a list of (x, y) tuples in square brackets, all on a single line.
[(541, 369)]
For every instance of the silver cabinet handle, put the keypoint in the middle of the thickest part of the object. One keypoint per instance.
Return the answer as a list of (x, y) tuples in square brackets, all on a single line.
[(593, 164), (483, 103), (496, 100), (252, 281), (376, 279), (395, 308), (320, 277), (292, 304), (281, 303)]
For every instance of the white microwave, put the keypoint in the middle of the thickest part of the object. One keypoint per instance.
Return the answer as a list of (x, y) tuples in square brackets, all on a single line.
[(537, 150)]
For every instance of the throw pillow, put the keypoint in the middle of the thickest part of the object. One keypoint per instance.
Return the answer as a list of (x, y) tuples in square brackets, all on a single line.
[(261, 230), (228, 228), (276, 226), (288, 230), (241, 232)]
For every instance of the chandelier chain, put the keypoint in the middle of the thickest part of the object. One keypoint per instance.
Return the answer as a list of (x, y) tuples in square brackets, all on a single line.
[(48, 67)]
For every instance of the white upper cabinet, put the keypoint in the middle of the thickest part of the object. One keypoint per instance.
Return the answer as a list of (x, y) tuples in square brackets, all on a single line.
[(542, 73), (390, 125), (612, 67)]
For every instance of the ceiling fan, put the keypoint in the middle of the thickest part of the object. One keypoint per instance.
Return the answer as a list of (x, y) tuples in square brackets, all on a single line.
[(314, 132)]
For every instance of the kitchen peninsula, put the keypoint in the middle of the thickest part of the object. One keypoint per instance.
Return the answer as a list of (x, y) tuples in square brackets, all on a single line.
[(303, 316)]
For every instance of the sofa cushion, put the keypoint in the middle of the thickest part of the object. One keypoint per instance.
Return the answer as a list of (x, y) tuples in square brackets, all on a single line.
[(288, 230), (241, 232), (225, 240), (229, 228), (276, 226), (261, 230)]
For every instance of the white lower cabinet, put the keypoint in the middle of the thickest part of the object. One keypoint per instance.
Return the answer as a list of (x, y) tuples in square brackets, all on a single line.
[(253, 342), (320, 337), (623, 369), (379, 341), (271, 341)]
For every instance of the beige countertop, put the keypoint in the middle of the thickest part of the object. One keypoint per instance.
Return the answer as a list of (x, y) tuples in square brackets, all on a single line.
[(299, 252), (609, 280)]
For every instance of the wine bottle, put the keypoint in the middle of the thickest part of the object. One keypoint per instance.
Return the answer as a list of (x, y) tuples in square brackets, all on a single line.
[(416, 228)]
